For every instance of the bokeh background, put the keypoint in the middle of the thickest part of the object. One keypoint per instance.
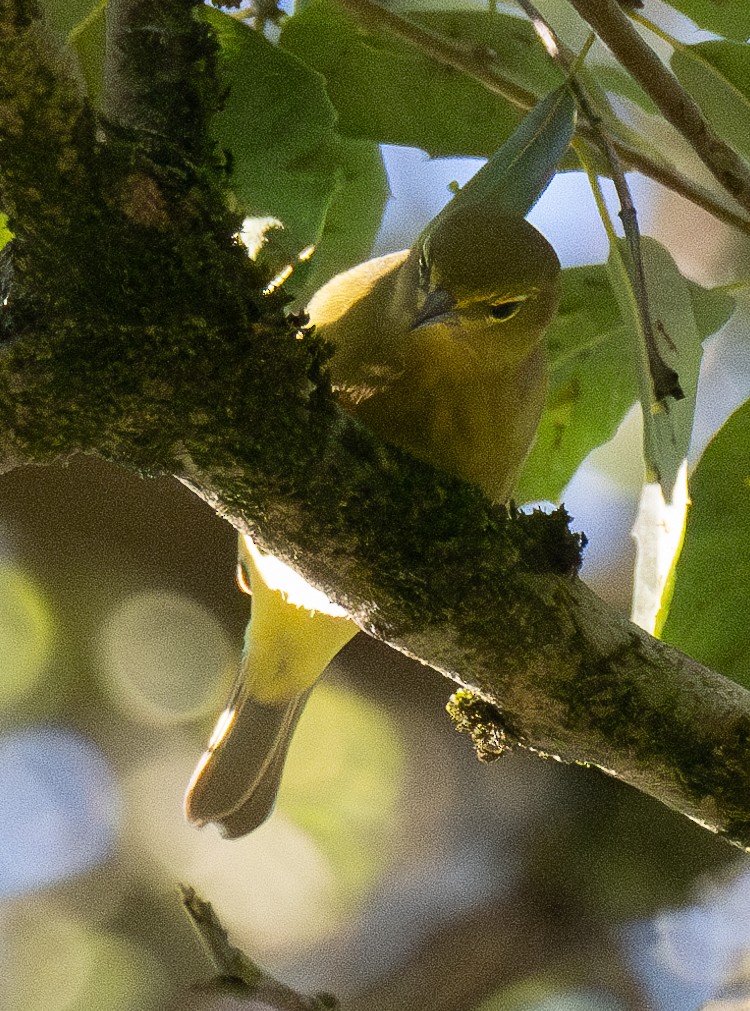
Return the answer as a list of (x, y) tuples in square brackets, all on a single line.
[(397, 871)]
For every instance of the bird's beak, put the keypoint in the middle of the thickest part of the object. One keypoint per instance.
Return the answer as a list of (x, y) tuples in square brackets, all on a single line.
[(437, 308)]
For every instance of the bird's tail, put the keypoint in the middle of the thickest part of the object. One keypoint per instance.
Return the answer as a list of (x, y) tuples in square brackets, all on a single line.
[(237, 779), (293, 634)]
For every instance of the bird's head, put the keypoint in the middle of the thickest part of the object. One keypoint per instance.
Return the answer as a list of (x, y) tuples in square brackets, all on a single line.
[(489, 281)]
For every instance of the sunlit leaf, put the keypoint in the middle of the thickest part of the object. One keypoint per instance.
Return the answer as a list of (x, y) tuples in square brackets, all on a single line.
[(658, 532), (592, 376), (709, 614), (717, 75), (388, 91)]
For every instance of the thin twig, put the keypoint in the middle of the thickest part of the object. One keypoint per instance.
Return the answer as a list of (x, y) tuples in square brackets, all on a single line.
[(471, 62), (235, 970), (645, 386), (477, 66), (615, 29), (664, 380), (672, 180), (229, 963)]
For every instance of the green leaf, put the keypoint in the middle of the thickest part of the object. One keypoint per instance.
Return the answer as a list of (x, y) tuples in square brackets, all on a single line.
[(279, 126), (387, 91), (518, 172), (611, 77), (725, 17), (667, 426), (592, 376), (712, 307), (709, 614), (717, 75), (592, 383), (510, 42), (353, 217)]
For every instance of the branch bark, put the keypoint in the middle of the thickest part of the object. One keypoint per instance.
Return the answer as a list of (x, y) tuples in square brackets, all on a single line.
[(134, 329)]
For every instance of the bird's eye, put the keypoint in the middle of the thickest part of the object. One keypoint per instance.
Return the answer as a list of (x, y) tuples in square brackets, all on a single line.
[(506, 310)]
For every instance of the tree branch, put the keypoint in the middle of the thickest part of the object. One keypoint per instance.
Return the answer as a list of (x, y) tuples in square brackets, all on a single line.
[(237, 974), (144, 340), (615, 29)]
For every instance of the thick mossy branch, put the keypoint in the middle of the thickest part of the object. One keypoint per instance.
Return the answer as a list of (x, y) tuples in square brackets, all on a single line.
[(133, 327), (123, 258)]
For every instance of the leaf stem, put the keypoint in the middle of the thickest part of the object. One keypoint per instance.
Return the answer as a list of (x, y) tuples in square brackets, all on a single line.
[(645, 385)]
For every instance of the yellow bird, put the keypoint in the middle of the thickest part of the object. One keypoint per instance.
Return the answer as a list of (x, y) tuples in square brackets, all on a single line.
[(438, 349)]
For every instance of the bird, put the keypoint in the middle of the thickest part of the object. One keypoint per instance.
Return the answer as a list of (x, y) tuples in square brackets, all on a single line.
[(438, 349)]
